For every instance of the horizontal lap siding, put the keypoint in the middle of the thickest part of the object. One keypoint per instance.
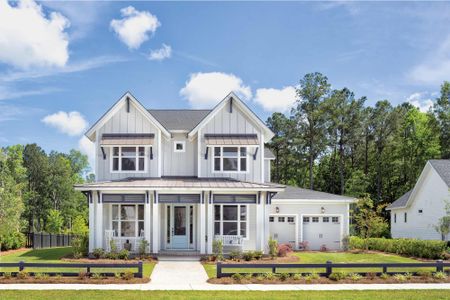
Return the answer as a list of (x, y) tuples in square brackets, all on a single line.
[(126, 122), (230, 123)]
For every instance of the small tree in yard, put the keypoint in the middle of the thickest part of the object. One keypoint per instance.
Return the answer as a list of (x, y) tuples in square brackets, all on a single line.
[(368, 219), (80, 240), (443, 225), (54, 221)]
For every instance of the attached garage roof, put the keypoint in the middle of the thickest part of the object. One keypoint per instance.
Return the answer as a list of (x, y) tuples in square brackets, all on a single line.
[(179, 119), (296, 193), (268, 154)]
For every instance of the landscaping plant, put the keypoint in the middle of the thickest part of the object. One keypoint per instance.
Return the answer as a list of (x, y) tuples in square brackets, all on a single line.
[(218, 249), (273, 247), (284, 249), (235, 255), (123, 254), (98, 253), (248, 255)]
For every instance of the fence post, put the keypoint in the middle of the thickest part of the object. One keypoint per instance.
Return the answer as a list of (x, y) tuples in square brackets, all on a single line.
[(21, 265), (219, 270), (140, 269), (329, 269), (274, 269), (439, 266), (384, 269)]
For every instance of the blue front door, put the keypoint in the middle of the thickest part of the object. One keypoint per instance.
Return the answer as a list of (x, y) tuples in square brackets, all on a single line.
[(179, 228)]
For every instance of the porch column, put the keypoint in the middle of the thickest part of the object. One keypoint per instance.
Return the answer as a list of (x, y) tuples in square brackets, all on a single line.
[(155, 223), (99, 221), (265, 238), (91, 222), (259, 221), (147, 216), (202, 227), (209, 224)]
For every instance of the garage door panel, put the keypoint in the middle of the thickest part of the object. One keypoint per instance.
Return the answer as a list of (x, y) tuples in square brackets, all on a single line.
[(321, 231), (282, 229)]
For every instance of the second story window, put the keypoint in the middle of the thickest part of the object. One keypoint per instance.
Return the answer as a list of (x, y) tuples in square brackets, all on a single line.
[(128, 159), (230, 159)]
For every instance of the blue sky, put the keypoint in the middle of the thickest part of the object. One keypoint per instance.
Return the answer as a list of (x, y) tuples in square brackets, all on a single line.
[(63, 64)]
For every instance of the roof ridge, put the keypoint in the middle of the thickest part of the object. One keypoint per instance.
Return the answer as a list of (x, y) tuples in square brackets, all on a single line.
[(180, 109)]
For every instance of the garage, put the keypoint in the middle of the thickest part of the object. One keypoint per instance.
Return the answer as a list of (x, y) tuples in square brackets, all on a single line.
[(322, 231), (283, 228)]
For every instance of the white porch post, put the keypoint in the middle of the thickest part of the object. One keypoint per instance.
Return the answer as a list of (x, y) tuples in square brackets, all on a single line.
[(155, 223), (209, 222), (91, 222), (266, 232), (259, 221), (202, 222), (147, 216), (99, 221)]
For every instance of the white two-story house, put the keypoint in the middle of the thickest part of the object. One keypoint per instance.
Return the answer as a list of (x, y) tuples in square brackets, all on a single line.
[(181, 179)]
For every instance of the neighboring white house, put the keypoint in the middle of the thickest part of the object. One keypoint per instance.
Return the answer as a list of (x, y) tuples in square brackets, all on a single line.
[(415, 214), (181, 179)]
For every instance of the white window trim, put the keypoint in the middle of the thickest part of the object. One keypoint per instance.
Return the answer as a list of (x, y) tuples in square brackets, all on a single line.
[(111, 156), (136, 220), (175, 146), (213, 157), (247, 233)]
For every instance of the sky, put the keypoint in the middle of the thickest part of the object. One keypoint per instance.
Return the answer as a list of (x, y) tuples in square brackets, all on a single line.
[(63, 64)]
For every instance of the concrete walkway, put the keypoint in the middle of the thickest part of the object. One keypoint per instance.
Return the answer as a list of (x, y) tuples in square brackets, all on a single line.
[(178, 275)]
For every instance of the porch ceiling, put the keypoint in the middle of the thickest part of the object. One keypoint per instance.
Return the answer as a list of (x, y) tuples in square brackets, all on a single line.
[(179, 183)]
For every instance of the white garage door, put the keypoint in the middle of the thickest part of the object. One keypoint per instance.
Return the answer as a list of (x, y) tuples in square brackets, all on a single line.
[(282, 229), (321, 231)]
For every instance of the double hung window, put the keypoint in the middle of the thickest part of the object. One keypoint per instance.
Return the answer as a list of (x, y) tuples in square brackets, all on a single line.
[(127, 219), (128, 159), (230, 159), (230, 220)]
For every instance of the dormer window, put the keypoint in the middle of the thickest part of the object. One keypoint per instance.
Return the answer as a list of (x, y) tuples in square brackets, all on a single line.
[(179, 146), (128, 159), (230, 159)]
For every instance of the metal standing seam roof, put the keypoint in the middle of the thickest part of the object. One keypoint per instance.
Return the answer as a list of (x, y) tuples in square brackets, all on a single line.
[(179, 119), (231, 139), (127, 139), (296, 193), (178, 182)]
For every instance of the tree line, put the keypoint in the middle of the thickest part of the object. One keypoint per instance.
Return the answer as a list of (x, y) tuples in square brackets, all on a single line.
[(334, 142), (36, 191)]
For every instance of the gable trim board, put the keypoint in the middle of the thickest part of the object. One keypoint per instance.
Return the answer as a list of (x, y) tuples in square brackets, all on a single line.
[(123, 101), (268, 134)]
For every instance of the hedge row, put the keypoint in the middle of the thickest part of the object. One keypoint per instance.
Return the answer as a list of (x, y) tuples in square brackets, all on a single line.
[(408, 247), (12, 241)]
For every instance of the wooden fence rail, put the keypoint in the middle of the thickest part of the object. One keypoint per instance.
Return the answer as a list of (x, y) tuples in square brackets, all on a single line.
[(23, 266), (330, 267)]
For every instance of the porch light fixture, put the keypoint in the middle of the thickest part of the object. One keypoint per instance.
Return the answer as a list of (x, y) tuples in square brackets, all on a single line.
[(277, 209), (322, 209)]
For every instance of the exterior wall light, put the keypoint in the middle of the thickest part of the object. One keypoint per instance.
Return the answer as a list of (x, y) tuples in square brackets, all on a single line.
[(322, 209), (277, 209)]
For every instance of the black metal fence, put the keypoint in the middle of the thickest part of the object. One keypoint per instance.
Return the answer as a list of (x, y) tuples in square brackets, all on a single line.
[(72, 269), (329, 267), (39, 240)]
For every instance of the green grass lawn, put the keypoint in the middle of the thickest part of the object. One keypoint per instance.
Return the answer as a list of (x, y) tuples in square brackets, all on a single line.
[(313, 295), (335, 257), (54, 255)]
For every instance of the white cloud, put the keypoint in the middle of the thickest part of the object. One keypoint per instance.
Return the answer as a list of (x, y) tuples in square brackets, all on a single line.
[(72, 123), (87, 147), (421, 101), (28, 38), (207, 89), (273, 100), (435, 68), (133, 29), (160, 54)]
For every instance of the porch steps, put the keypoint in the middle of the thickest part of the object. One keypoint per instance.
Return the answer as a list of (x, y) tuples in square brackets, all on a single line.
[(179, 256)]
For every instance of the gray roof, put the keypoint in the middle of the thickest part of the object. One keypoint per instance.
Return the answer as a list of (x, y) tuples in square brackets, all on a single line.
[(296, 193), (179, 182), (400, 202), (442, 167), (268, 154), (179, 119)]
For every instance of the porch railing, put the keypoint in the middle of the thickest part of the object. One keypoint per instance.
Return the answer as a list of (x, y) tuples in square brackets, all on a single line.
[(131, 244), (230, 240)]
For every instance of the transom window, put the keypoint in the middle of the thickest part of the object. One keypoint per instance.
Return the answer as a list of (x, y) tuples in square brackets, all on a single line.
[(129, 159), (305, 219), (281, 219), (315, 219), (231, 159), (290, 219), (230, 220), (326, 219), (335, 219), (127, 220)]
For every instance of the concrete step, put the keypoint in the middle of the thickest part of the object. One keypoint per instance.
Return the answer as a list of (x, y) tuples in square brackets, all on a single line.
[(178, 257)]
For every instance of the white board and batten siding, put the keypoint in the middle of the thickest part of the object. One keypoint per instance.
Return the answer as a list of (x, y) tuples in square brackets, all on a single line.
[(227, 122), (179, 163), (431, 196), (126, 122)]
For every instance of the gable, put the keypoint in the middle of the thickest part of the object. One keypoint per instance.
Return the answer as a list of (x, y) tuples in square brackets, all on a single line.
[(132, 107), (232, 113)]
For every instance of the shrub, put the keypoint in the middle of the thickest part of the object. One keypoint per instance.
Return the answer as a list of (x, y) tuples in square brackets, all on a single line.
[(354, 276), (248, 255), (22, 274), (128, 275), (98, 253), (384, 276), (283, 276), (260, 277), (117, 275), (440, 275), (269, 276), (400, 277), (97, 276), (408, 275), (123, 254), (12, 241), (235, 255), (143, 245), (218, 249), (237, 277), (257, 255), (82, 274), (112, 246), (424, 274), (284, 249), (7, 275), (248, 276), (336, 276), (112, 255), (297, 276), (410, 247), (58, 276), (80, 246), (311, 276), (273, 247)]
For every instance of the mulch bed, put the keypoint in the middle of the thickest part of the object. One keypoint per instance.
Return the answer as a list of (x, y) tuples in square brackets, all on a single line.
[(74, 280), (323, 280), (290, 258), (105, 260)]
